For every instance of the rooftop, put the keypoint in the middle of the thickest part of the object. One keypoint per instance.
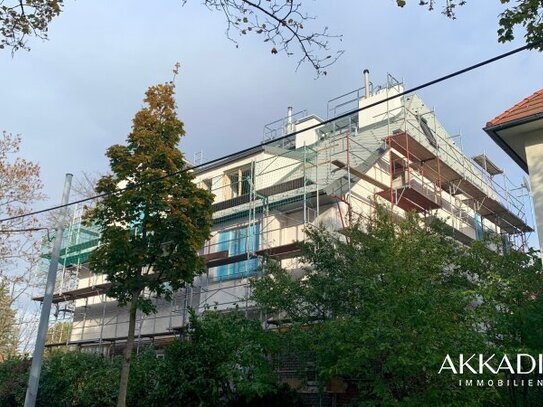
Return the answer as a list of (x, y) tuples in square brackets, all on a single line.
[(531, 106)]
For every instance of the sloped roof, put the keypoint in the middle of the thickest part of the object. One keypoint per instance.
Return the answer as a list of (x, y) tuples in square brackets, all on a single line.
[(530, 106)]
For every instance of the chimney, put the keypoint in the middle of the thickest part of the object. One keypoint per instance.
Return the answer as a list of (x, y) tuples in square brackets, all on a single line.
[(289, 120), (366, 83)]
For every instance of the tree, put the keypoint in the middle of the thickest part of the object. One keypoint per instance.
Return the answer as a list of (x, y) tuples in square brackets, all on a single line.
[(20, 188), (59, 332), (154, 219), (13, 380), (223, 360), (379, 306), (8, 329), (20, 18), (526, 13), (509, 284), (281, 23), (78, 379)]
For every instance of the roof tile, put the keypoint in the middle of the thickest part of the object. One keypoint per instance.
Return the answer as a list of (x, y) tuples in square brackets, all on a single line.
[(530, 106)]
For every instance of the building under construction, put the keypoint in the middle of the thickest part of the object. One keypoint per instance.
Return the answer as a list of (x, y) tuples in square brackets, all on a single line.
[(307, 171)]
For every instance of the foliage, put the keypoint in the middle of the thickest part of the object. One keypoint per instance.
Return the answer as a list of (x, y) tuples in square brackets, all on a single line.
[(8, 328), (528, 14), (59, 332), (78, 379), (152, 228), (153, 218), (224, 359), (509, 286), (380, 306), (22, 18), (13, 380), (525, 13), (20, 187)]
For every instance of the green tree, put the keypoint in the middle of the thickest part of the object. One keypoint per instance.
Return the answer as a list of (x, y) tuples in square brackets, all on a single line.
[(8, 327), (59, 332), (225, 359), (152, 229), (379, 306), (78, 379), (509, 285), (13, 381)]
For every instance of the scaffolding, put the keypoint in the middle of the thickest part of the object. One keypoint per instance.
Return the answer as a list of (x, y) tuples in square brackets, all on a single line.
[(265, 198)]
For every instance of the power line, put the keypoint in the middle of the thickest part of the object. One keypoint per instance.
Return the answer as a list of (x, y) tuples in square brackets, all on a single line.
[(22, 230), (246, 150)]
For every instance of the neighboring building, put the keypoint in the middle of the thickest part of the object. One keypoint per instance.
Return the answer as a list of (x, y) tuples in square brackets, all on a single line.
[(519, 132), (325, 172)]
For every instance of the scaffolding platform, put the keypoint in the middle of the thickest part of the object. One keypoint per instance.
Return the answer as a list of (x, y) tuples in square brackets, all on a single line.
[(494, 211), (73, 295), (486, 164), (212, 260), (169, 336), (443, 175), (409, 199)]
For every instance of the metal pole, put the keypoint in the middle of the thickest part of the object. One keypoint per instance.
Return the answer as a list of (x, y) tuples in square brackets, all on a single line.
[(305, 185), (37, 358)]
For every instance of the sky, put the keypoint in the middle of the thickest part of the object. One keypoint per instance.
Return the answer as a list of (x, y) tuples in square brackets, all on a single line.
[(74, 95)]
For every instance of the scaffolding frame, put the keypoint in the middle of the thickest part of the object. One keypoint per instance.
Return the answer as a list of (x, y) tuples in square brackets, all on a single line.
[(286, 189)]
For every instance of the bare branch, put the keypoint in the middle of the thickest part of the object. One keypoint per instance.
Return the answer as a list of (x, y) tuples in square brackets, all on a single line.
[(282, 23)]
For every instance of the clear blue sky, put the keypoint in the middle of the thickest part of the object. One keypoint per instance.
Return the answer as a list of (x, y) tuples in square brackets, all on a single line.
[(74, 95)]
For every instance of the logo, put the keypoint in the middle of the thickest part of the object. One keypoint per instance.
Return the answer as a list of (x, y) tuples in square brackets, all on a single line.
[(504, 366), (523, 363)]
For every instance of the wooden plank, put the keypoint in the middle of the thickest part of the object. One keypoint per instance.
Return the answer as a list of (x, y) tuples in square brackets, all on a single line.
[(409, 199), (360, 175)]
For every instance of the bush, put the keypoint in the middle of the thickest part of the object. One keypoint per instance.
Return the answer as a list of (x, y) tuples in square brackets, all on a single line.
[(224, 361), (13, 380), (79, 379)]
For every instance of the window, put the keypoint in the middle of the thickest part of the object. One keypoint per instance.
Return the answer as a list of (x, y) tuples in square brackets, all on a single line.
[(206, 184), (240, 181), (245, 239), (479, 228), (427, 131)]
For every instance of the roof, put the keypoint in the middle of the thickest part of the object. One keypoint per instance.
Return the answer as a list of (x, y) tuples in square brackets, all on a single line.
[(531, 106)]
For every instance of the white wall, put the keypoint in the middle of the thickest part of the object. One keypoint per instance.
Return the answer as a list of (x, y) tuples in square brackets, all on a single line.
[(534, 158)]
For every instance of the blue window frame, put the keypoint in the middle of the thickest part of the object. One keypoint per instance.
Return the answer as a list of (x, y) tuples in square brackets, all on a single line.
[(479, 228), (245, 239)]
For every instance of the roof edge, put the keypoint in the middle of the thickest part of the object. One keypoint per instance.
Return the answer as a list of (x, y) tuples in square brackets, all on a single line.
[(514, 122), (493, 134)]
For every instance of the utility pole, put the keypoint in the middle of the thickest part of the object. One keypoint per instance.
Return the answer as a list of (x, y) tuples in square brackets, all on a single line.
[(37, 358)]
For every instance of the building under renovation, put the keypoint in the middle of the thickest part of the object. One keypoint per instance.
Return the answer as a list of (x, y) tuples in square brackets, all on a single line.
[(307, 171)]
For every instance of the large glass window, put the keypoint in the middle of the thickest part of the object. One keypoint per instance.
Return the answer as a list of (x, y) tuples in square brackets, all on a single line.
[(240, 181), (242, 240)]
